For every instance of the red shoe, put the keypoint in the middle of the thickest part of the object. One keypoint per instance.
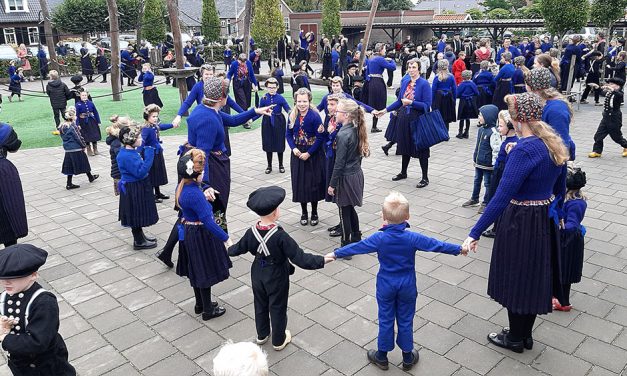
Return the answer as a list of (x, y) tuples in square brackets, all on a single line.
[(558, 307)]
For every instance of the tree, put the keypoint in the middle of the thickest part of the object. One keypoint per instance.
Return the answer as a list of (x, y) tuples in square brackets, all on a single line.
[(604, 12), (210, 21), (499, 14), (84, 16), (449, 11), (301, 5), (154, 21), (563, 15), (357, 5), (532, 11), (267, 26), (495, 4), (476, 13), (395, 5), (331, 24)]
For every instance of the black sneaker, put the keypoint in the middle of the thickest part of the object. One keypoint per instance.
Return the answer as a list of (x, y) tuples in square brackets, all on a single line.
[(470, 203), (489, 233)]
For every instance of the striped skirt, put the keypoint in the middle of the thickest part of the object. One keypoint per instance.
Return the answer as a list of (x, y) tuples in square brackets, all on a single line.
[(75, 163), (207, 260), (137, 204)]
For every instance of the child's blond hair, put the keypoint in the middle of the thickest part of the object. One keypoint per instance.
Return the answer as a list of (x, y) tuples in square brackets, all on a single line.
[(505, 116), (395, 208)]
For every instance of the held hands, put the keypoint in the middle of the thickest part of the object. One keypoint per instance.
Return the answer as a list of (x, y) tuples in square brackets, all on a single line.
[(210, 194), (329, 257), (379, 113), (296, 152), (177, 121), (469, 244)]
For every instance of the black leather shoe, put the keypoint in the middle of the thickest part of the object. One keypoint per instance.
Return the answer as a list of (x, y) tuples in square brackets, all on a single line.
[(372, 357), (460, 135), (502, 340), (489, 233), (423, 183), (268, 170), (527, 342), (333, 228), (415, 358), (72, 186), (375, 130), (158, 200), (144, 245), (282, 169), (163, 197), (386, 149), (216, 312), (335, 233), (93, 177), (314, 220), (304, 220), (198, 309), (399, 177), (167, 263)]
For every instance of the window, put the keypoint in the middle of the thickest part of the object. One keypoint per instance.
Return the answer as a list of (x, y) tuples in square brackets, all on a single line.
[(223, 23), (16, 5), (9, 36), (286, 22), (33, 35)]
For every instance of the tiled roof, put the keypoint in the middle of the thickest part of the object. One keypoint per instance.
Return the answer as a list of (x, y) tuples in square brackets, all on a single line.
[(459, 6), (20, 17), (450, 17), (191, 10)]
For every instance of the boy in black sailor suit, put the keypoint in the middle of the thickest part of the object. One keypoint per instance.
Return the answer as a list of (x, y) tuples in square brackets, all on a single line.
[(29, 325), (273, 249)]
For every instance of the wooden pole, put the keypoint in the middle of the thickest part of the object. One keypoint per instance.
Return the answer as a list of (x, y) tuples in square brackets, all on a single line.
[(362, 56), (173, 12), (247, 18), (114, 26), (49, 40)]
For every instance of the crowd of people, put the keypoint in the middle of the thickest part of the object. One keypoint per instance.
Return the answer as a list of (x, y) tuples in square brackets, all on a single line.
[(523, 155)]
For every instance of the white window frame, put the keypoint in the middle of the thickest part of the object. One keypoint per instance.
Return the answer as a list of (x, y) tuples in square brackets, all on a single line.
[(24, 6), (286, 23), (10, 34), (33, 35), (223, 23)]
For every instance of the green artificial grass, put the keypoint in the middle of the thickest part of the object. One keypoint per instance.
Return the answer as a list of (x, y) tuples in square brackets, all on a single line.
[(33, 120)]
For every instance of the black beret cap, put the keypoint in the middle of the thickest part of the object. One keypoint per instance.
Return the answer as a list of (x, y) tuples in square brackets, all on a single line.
[(21, 260), (264, 200), (616, 80)]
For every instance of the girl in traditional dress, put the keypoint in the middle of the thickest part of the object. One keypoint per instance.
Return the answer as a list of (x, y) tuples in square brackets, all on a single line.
[(13, 223), (443, 91), (89, 121), (75, 161), (273, 126)]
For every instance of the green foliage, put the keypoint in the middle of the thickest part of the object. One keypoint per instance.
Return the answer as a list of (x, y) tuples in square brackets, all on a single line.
[(357, 5), (83, 16), (210, 21), (449, 11), (301, 5), (495, 4), (267, 27), (499, 14), (604, 12), (154, 21), (331, 24), (395, 4), (532, 11), (476, 13), (563, 15)]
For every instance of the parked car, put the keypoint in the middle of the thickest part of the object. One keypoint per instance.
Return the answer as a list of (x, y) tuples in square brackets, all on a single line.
[(169, 39), (75, 47), (7, 52), (587, 33), (33, 50)]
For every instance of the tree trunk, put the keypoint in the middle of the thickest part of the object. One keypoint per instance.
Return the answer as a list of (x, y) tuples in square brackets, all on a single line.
[(49, 40), (173, 13), (116, 86), (247, 18), (140, 18), (373, 11)]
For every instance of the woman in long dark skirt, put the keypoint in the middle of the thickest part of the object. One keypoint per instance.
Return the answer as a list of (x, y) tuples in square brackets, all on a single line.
[(347, 180), (377, 92), (305, 136), (89, 121), (525, 255), (503, 81), (327, 60), (244, 81), (273, 126), (413, 101), (87, 67), (13, 223), (204, 259), (102, 65), (443, 92)]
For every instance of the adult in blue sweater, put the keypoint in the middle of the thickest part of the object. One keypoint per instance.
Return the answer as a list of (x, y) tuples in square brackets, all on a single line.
[(414, 100), (243, 77), (127, 67), (507, 47), (570, 60), (137, 207), (503, 81), (484, 80), (442, 43), (396, 280), (443, 92), (522, 264), (377, 90)]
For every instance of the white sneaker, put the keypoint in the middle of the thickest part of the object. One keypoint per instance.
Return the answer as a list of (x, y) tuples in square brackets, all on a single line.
[(288, 339), (262, 340)]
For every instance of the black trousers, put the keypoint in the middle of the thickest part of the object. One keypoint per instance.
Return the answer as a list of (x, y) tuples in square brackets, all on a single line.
[(520, 326), (349, 223), (271, 287), (610, 125), (586, 92), (58, 113)]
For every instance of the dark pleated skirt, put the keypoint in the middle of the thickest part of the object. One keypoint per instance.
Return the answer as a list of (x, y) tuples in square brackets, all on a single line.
[(158, 173), (207, 260), (13, 222), (90, 130), (86, 66), (363, 93), (350, 190), (75, 163), (329, 164), (130, 72), (242, 91), (15, 88), (377, 93), (571, 256), (390, 131), (403, 138), (137, 204), (227, 139), (502, 89), (485, 96), (273, 133), (467, 108), (308, 177), (446, 104), (182, 263), (524, 260), (220, 175), (152, 97)]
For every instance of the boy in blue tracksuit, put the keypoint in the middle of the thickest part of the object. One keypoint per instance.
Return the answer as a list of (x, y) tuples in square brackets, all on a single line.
[(396, 280)]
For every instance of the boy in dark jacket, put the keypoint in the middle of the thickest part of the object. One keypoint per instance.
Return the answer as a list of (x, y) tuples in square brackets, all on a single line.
[(612, 120), (273, 249), (396, 280), (486, 151), (59, 94)]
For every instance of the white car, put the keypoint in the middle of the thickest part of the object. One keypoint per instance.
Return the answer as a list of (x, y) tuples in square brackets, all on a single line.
[(7, 52), (75, 47), (586, 33)]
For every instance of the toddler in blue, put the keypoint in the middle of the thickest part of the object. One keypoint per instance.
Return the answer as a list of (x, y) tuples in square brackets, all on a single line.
[(396, 281)]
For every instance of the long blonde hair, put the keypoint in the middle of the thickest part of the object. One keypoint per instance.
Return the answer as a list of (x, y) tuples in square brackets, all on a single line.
[(199, 158), (553, 141), (443, 73), (358, 118), (294, 113)]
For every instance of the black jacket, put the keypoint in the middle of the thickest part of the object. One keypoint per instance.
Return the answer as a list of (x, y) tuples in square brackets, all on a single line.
[(347, 156), (59, 93), (114, 148)]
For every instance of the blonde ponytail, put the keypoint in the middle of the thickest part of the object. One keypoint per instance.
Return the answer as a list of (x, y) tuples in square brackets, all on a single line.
[(559, 154)]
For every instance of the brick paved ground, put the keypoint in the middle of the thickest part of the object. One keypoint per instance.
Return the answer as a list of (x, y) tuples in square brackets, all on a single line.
[(124, 313)]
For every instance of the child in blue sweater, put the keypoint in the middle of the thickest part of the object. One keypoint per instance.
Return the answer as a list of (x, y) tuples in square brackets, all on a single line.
[(468, 93), (396, 280)]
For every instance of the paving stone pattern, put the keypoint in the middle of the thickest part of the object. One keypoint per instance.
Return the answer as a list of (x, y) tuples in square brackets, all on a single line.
[(124, 313)]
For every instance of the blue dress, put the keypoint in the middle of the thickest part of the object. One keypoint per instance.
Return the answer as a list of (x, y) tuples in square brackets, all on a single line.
[(151, 137), (137, 201), (444, 95), (273, 127), (88, 119), (86, 65)]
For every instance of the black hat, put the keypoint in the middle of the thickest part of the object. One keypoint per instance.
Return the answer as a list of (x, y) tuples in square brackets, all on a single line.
[(21, 260), (358, 78), (76, 79), (616, 80), (265, 200), (352, 65), (576, 178), (185, 167), (295, 68)]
